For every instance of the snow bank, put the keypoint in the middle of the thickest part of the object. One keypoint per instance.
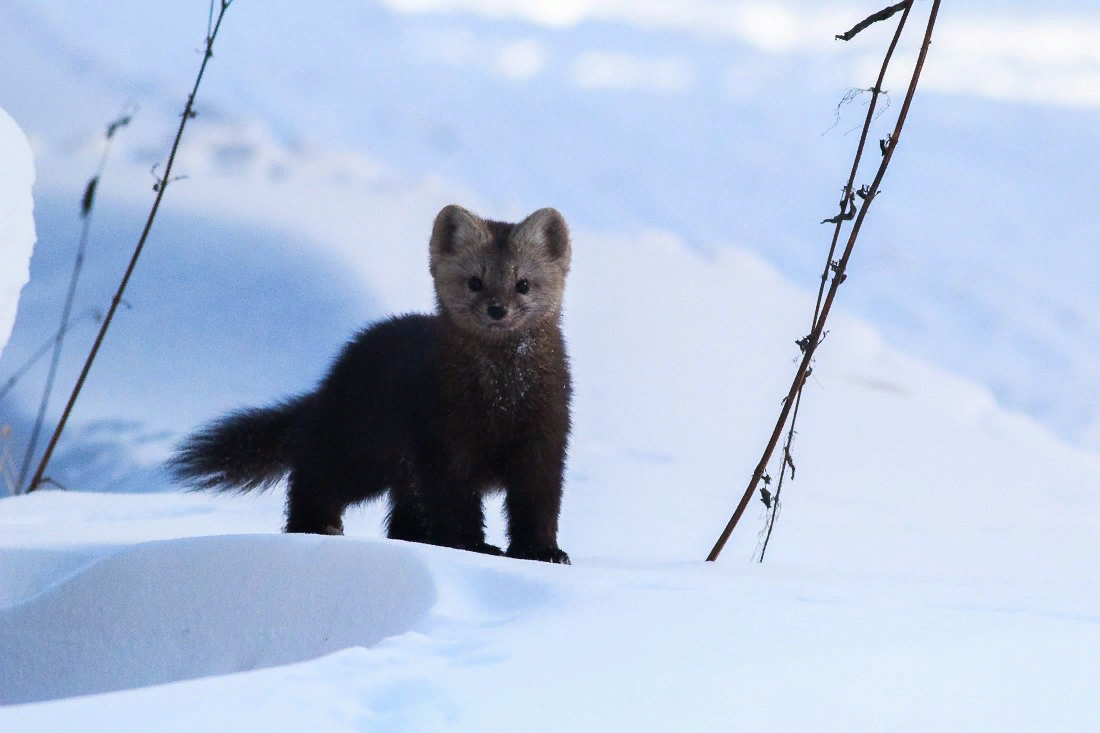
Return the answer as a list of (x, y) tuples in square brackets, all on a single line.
[(16, 220), (166, 611)]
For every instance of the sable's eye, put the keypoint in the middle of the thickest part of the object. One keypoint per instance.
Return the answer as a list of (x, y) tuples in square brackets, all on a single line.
[(474, 283), (522, 286)]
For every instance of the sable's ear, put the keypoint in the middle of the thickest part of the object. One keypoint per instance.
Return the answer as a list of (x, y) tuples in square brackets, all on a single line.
[(546, 228), (454, 228)]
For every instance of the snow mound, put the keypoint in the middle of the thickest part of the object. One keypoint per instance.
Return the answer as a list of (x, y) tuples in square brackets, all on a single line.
[(180, 609), (16, 220)]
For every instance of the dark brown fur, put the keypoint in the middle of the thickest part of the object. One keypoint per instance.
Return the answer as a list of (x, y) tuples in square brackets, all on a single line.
[(437, 410)]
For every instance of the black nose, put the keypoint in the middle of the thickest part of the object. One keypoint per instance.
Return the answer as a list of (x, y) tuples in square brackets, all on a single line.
[(496, 312)]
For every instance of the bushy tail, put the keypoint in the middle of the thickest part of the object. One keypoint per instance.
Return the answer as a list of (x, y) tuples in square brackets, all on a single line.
[(245, 450)]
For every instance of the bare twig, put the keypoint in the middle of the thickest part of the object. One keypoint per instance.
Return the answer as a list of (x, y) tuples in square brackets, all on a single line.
[(87, 203), (159, 188), (7, 468), (775, 504), (838, 268)]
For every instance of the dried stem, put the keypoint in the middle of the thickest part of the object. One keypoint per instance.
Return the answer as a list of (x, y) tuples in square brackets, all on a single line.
[(774, 504), (159, 187), (811, 342), (847, 200), (87, 206)]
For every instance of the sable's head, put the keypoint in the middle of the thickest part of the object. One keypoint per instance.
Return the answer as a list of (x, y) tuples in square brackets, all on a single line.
[(494, 278)]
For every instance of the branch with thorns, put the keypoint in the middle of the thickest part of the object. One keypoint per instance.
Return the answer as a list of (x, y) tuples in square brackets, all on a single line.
[(836, 267)]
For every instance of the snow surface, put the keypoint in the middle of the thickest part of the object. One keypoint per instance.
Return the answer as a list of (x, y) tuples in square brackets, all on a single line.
[(16, 220), (432, 639)]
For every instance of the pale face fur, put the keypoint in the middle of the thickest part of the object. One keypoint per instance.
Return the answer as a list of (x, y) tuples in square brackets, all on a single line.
[(482, 268)]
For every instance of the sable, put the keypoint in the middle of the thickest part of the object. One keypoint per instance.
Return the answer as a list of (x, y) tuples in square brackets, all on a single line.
[(434, 411)]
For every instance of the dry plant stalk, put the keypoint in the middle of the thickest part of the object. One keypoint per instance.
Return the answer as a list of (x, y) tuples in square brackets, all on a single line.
[(161, 185), (7, 468), (87, 205), (848, 212)]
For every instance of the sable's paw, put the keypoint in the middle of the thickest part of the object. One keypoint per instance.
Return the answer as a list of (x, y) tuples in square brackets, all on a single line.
[(313, 528), (542, 554), (483, 547)]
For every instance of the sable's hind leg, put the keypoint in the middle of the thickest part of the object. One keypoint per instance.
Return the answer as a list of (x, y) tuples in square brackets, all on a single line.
[(406, 520), (309, 510)]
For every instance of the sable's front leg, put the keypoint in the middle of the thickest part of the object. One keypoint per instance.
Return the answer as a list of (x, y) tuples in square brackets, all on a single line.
[(533, 502)]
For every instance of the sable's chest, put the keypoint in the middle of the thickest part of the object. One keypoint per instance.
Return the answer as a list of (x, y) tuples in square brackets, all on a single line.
[(503, 385), (494, 388)]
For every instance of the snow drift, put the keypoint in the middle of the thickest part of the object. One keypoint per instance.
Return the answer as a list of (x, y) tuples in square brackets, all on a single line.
[(16, 220), (166, 611)]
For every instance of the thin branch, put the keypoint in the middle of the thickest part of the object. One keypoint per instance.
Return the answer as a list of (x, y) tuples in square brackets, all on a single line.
[(838, 270), (188, 114), (876, 91), (847, 201), (774, 505), (5, 459)]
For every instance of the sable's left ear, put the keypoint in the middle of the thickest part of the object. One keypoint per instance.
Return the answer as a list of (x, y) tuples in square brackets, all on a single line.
[(546, 229)]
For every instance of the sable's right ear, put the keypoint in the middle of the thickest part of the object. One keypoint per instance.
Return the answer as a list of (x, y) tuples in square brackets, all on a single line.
[(454, 228)]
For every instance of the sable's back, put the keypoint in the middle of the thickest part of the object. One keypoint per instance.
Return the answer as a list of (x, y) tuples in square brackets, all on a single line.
[(392, 355)]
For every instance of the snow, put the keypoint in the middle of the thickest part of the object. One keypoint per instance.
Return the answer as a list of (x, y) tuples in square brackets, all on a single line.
[(933, 565), (16, 220)]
